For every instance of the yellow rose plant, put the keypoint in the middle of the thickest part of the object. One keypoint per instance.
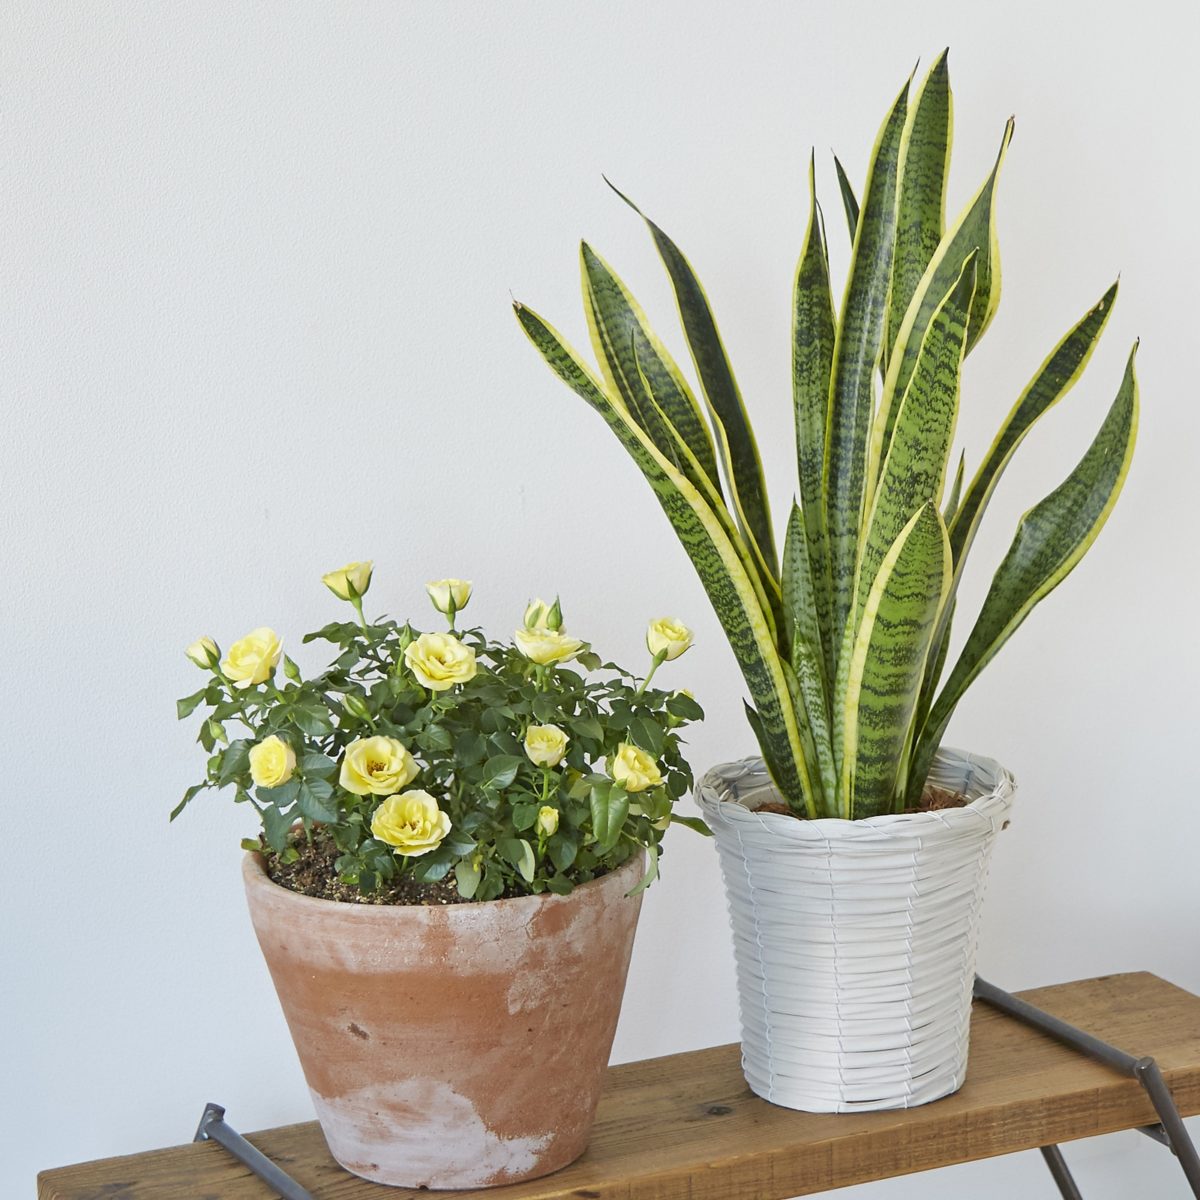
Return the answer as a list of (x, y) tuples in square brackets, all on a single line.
[(442, 759)]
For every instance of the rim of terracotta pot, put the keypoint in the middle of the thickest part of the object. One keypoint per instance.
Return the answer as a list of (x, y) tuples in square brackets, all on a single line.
[(989, 785), (254, 871)]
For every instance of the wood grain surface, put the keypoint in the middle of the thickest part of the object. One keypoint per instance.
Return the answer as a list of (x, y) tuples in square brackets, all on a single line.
[(686, 1126)]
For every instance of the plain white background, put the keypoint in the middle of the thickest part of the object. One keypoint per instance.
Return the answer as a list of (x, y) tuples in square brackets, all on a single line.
[(257, 261)]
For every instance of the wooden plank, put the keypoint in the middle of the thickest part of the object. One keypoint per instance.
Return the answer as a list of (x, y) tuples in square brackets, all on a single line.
[(687, 1125)]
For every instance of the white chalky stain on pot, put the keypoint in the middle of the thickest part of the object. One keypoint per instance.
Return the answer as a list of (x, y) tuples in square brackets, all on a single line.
[(423, 1129)]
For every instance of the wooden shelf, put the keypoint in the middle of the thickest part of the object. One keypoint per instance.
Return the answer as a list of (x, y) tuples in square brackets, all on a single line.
[(687, 1125)]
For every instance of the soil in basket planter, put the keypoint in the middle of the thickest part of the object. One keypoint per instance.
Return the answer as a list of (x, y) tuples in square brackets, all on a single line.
[(933, 799)]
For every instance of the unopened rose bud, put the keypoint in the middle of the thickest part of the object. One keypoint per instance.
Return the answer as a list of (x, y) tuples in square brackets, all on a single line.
[(351, 582), (205, 653)]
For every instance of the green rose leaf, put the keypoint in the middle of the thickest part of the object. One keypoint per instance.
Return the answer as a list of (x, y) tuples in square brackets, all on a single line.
[(235, 761), (319, 765), (467, 875), (276, 826), (188, 705), (500, 771), (610, 807), (315, 801)]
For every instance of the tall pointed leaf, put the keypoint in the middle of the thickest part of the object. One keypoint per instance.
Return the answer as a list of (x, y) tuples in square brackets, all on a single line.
[(921, 201), (813, 334), (953, 499), (627, 349), (1054, 378), (716, 561), (736, 438), (973, 231), (914, 472), (887, 663), (799, 588), (767, 589), (849, 203), (856, 352), (1051, 539)]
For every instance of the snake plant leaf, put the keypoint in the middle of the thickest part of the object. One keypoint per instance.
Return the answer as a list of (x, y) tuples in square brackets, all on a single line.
[(856, 352), (767, 589), (885, 668), (973, 231), (799, 589), (952, 501), (717, 563), (628, 349), (1051, 539), (921, 198), (736, 437), (813, 334), (914, 472), (1054, 378), (849, 203), (811, 697)]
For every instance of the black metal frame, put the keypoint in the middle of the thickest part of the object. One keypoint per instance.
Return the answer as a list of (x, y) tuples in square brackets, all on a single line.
[(1170, 1130), (212, 1128)]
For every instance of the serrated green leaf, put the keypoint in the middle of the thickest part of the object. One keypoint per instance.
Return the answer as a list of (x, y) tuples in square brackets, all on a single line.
[(315, 801), (500, 771), (466, 876)]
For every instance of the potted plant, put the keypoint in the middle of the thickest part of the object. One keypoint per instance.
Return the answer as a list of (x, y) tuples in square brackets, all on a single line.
[(455, 836), (855, 926)]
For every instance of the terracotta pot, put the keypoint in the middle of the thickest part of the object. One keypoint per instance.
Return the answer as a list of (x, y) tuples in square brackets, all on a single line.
[(456, 1046)]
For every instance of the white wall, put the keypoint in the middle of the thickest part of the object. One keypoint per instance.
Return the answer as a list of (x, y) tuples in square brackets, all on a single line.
[(257, 261)]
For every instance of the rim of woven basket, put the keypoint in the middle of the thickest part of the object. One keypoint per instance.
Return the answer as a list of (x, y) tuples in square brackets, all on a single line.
[(999, 784)]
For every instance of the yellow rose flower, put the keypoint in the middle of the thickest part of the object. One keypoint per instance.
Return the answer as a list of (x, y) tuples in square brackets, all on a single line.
[(440, 660), (449, 596), (411, 822), (633, 768), (668, 637), (377, 766), (547, 820), (272, 762), (204, 652), (252, 659), (545, 745), (351, 581), (546, 645)]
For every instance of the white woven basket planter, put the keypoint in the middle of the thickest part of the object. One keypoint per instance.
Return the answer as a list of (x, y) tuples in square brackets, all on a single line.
[(855, 940)]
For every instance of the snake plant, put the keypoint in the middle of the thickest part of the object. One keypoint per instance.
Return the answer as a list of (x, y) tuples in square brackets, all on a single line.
[(843, 640)]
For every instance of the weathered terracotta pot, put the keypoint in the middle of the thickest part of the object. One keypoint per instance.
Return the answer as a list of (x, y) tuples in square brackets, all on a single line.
[(456, 1046)]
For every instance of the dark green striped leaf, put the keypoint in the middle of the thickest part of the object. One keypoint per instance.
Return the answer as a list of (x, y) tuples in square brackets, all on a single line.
[(914, 472), (888, 662), (856, 353), (717, 563), (813, 334), (921, 200), (1056, 376), (849, 203), (734, 434), (1051, 539), (628, 351), (973, 232)]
